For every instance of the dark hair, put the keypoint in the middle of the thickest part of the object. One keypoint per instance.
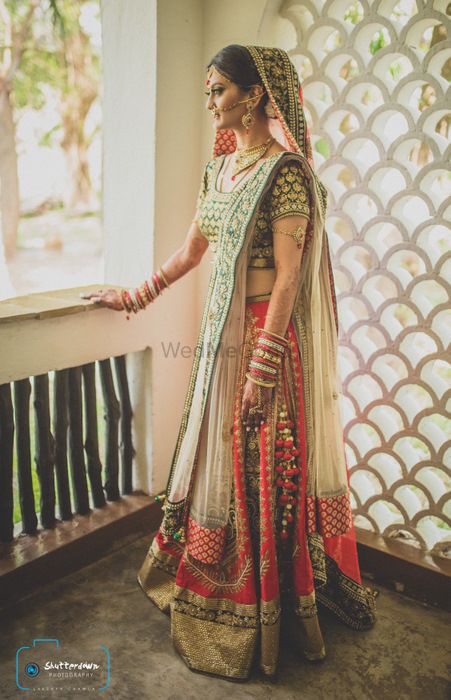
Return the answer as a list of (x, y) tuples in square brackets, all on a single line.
[(235, 62)]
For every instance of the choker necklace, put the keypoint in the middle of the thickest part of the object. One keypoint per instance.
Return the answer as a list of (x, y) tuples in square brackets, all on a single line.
[(245, 157)]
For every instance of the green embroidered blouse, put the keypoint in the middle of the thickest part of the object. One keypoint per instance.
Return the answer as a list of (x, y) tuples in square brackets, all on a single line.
[(288, 195)]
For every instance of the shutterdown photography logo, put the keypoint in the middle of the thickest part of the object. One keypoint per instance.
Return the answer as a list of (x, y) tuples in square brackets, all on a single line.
[(45, 666)]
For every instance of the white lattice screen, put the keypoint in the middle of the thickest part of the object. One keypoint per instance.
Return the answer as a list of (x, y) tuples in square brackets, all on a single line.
[(375, 78)]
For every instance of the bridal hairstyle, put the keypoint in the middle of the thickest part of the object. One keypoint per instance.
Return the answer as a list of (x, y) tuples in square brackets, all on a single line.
[(235, 62)]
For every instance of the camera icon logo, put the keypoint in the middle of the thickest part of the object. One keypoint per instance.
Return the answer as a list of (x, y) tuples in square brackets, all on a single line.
[(32, 669)]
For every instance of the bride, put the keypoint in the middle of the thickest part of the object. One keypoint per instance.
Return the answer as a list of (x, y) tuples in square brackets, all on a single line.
[(257, 529)]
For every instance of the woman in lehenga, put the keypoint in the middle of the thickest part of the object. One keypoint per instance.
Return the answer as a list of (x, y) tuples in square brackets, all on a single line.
[(257, 526)]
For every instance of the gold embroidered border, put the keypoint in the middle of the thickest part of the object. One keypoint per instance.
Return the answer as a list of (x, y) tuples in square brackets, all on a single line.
[(306, 354), (246, 611), (306, 605), (270, 619), (351, 602), (192, 379), (310, 638), (205, 646), (157, 580)]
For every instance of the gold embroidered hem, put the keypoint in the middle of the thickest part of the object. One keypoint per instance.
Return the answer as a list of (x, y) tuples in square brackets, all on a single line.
[(349, 600), (213, 646), (213, 635), (157, 577)]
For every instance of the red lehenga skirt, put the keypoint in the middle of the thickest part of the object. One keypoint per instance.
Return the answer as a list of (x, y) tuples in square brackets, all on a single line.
[(226, 615)]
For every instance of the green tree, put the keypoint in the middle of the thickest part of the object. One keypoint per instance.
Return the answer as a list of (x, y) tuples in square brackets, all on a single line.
[(79, 89), (16, 27), (44, 44)]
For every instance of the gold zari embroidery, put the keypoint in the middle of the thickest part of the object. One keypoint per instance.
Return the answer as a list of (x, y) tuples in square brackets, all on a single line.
[(290, 195)]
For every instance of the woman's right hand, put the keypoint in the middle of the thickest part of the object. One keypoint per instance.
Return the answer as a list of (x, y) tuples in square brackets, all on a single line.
[(109, 298)]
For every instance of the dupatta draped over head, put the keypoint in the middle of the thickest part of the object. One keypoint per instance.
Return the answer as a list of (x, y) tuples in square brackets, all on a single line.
[(201, 476)]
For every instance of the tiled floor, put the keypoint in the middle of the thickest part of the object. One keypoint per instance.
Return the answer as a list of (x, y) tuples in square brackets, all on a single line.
[(403, 657)]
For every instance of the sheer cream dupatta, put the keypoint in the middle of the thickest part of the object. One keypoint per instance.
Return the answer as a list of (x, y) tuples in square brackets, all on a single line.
[(213, 461)]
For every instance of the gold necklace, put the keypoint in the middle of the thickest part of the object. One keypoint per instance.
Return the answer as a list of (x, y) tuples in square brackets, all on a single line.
[(245, 157), (224, 169)]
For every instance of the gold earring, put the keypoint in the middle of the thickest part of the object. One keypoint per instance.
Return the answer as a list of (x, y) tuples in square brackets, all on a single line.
[(248, 119)]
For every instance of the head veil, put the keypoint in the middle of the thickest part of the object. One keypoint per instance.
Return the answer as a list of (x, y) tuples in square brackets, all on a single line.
[(316, 323), (287, 118)]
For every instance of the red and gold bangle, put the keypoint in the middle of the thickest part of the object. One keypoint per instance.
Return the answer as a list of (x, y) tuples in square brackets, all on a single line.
[(278, 337), (132, 301), (267, 356), (257, 380), (148, 293), (125, 296), (157, 283), (143, 294), (135, 299), (138, 298), (153, 289), (161, 273)]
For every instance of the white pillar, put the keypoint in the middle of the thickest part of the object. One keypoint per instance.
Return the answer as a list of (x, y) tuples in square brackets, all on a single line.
[(129, 97)]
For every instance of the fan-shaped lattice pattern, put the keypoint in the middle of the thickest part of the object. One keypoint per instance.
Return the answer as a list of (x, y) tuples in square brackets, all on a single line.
[(375, 79)]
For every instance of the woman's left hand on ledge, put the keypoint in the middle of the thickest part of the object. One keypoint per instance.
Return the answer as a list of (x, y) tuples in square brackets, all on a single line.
[(108, 298)]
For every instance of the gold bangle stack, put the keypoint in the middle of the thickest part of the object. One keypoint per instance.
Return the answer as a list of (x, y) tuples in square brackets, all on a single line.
[(140, 297), (267, 358)]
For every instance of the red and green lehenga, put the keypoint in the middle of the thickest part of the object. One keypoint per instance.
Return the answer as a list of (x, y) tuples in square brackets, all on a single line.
[(221, 564), (226, 613)]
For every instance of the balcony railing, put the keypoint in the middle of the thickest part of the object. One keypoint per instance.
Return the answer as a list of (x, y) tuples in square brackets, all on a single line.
[(61, 461)]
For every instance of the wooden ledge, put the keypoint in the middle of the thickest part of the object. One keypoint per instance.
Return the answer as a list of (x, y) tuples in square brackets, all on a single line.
[(31, 561), (58, 302), (404, 568)]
